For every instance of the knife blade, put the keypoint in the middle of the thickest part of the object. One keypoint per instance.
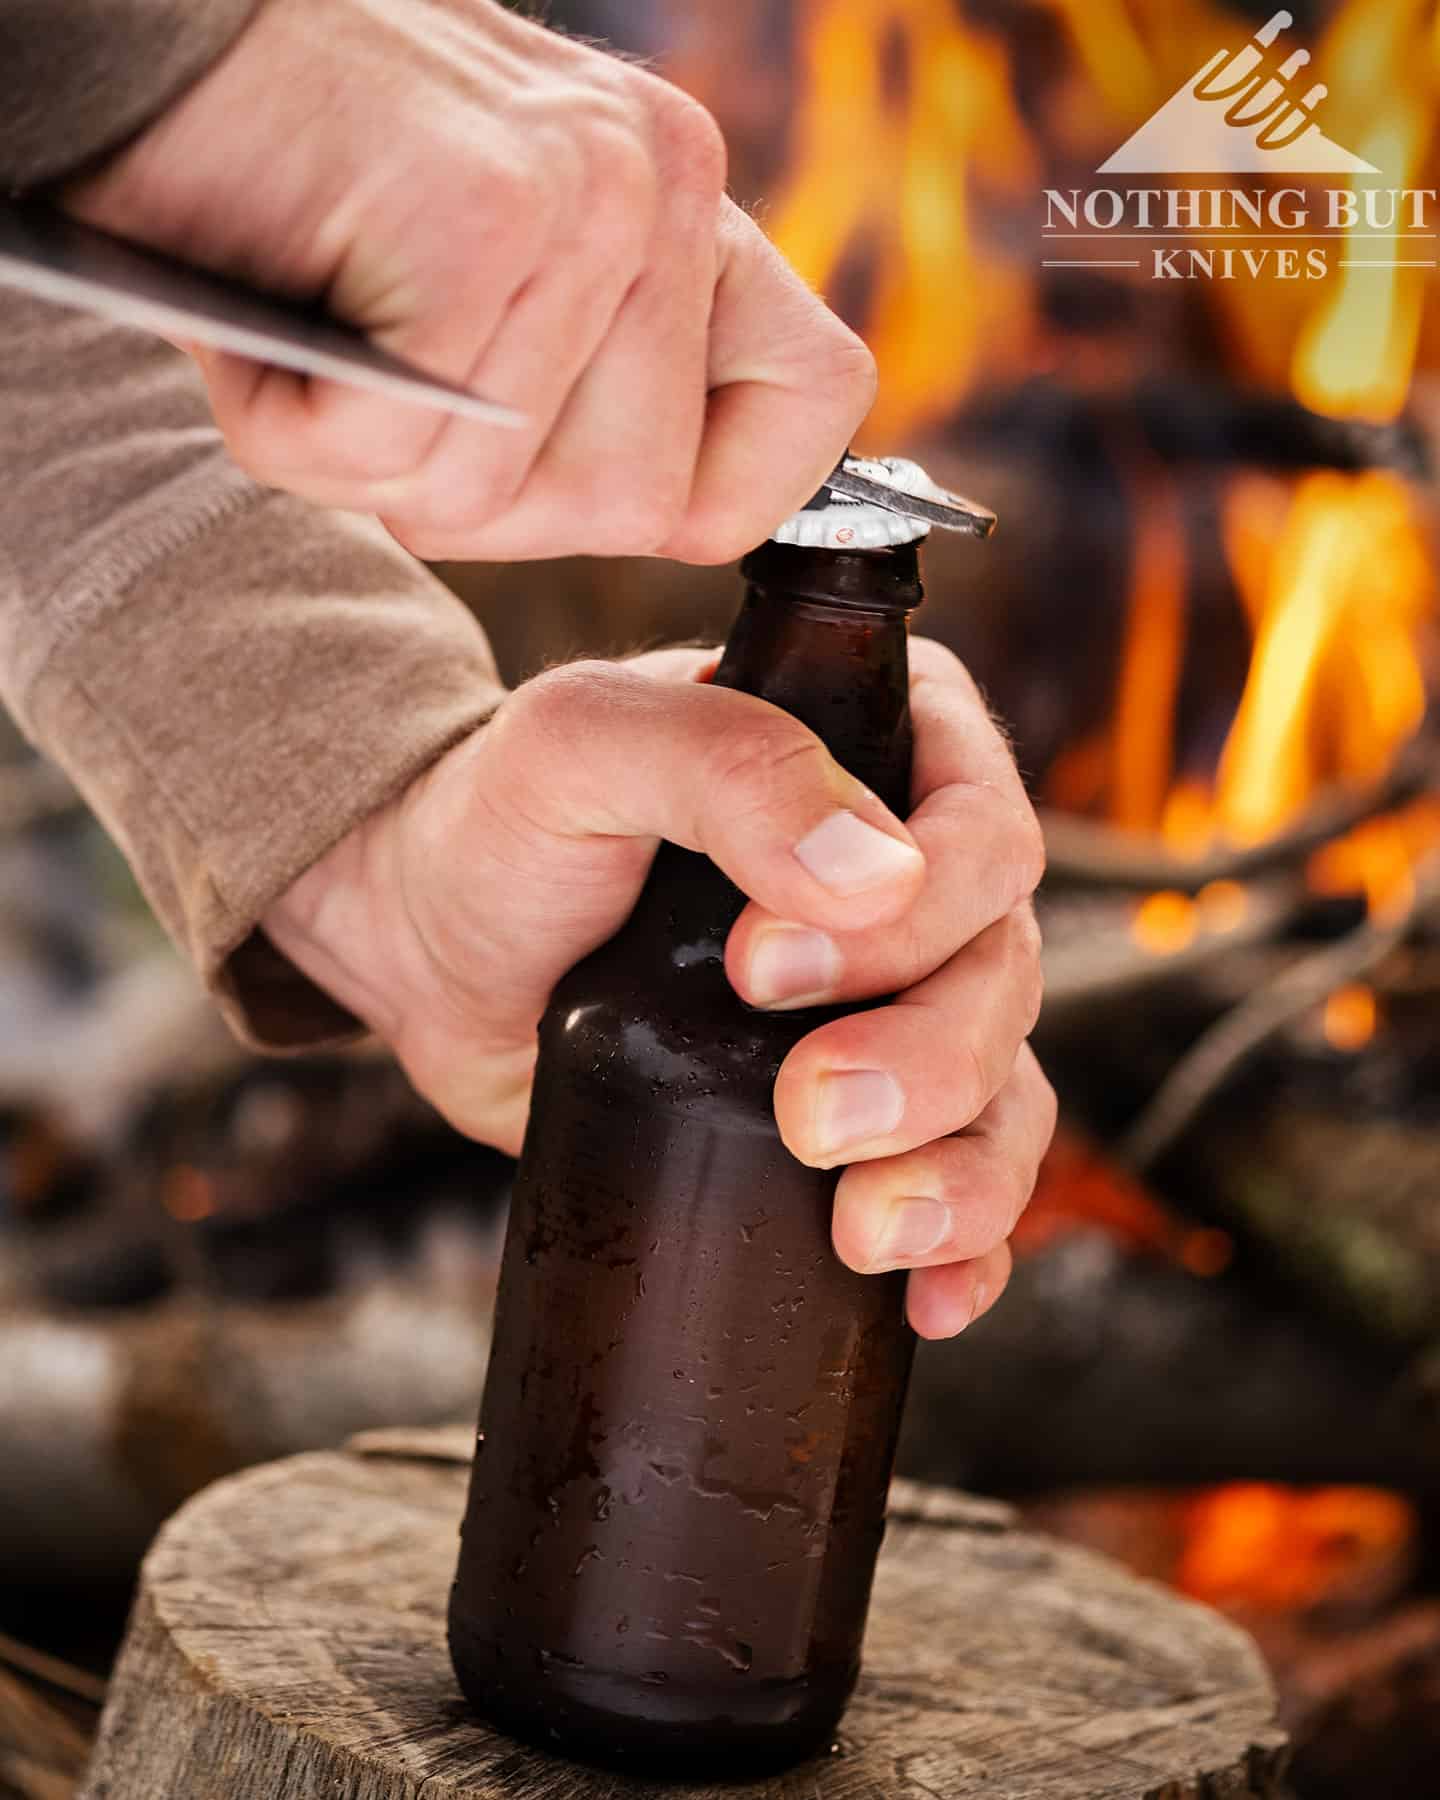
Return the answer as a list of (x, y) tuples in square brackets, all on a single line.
[(44, 253)]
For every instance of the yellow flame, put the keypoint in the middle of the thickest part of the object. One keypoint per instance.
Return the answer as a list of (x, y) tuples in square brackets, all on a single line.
[(1356, 354), (1335, 686), (904, 112)]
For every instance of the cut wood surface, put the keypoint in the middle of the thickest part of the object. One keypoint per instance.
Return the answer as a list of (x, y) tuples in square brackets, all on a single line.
[(288, 1643)]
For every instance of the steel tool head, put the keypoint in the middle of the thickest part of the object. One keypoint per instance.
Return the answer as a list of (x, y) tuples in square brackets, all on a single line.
[(904, 487)]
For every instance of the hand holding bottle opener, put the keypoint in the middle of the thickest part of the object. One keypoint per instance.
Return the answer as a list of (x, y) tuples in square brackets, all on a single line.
[(47, 254)]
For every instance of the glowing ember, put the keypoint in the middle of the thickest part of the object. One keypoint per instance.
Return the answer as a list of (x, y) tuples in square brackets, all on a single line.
[(1165, 924), (1379, 858), (1082, 1190), (1351, 1015), (1207, 1253), (188, 1194), (1275, 1548), (1187, 820)]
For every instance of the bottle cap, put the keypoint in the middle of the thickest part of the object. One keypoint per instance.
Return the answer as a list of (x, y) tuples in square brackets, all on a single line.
[(832, 521)]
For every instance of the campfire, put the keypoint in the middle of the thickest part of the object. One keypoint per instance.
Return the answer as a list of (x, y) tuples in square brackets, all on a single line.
[(1210, 616)]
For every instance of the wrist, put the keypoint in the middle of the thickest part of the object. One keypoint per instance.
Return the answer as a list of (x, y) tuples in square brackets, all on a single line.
[(335, 923)]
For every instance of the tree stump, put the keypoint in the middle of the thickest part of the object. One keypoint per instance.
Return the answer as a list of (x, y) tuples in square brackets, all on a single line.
[(288, 1643)]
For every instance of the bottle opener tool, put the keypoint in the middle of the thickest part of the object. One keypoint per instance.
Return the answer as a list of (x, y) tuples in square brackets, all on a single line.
[(56, 258)]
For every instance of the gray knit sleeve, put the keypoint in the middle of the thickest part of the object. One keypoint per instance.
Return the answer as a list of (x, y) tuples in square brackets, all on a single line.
[(79, 77)]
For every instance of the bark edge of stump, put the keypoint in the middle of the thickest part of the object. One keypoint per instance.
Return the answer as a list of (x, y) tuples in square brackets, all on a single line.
[(288, 1643)]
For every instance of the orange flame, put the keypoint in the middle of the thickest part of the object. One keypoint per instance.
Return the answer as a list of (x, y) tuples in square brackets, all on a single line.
[(1335, 577), (906, 113), (910, 163), (1351, 1016), (1275, 1548)]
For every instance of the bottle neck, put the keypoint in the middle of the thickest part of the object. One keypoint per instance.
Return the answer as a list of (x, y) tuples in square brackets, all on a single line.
[(824, 635)]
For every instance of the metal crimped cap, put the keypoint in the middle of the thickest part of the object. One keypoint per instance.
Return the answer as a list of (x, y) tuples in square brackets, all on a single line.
[(835, 522)]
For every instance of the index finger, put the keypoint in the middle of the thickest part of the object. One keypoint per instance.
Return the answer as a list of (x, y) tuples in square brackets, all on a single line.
[(957, 741)]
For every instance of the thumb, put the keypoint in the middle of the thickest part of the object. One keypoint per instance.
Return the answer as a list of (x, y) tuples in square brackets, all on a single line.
[(527, 847), (620, 751)]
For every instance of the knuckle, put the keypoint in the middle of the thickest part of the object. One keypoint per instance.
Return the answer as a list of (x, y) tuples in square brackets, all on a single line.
[(553, 705), (973, 1084), (253, 450), (932, 660), (1049, 1106), (1030, 851), (517, 202), (708, 540), (767, 763), (636, 521), (847, 368), (689, 143), (452, 498), (1026, 940), (618, 167), (1025, 948), (428, 546)]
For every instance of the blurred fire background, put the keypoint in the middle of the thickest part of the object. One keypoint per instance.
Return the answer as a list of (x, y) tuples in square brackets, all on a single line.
[(1209, 622)]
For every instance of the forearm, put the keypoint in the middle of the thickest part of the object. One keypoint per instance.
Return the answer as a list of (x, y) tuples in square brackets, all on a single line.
[(232, 678), (78, 77)]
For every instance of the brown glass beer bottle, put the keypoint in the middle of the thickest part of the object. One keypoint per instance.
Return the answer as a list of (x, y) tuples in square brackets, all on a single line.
[(692, 1405)]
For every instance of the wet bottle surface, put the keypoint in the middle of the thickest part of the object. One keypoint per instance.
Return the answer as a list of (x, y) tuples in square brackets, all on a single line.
[(692, 1405)]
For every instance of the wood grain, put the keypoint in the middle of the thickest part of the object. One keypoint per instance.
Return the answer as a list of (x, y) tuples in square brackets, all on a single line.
[(288, 1644)]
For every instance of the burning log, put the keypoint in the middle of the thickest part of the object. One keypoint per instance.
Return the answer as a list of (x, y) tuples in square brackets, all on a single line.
[(1104, 1366), (1186, 422), (1084, 853), (992, 1656), (1238, 1036), (109, 1424)]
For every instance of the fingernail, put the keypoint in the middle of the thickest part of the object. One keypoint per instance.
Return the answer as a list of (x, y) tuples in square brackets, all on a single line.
[(916, 1225), (855, 1106), (848, 856), (977, 1303), (790, 966)]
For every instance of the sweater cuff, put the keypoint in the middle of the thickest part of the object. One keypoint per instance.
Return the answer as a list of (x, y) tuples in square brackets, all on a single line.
[(264, 690), (78, 78)]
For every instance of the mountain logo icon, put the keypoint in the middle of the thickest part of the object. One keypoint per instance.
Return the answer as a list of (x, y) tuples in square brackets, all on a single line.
[(1242, 114)]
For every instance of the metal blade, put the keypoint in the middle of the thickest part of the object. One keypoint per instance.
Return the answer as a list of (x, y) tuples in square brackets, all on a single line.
[(862, 479), (56, 258)]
